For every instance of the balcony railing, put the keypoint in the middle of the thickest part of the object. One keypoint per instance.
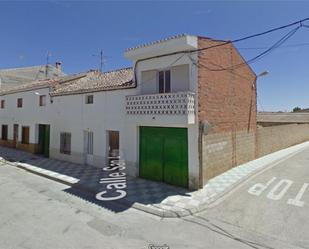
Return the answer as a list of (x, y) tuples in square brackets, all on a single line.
[(180, 103)]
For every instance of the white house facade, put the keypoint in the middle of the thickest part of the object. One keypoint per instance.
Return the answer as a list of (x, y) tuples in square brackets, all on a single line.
[(147, 115)]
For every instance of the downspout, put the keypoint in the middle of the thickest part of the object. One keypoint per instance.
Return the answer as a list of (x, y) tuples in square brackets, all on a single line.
[(200, 153)]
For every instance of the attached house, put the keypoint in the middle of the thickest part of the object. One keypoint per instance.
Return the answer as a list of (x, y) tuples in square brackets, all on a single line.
[(182, 115)]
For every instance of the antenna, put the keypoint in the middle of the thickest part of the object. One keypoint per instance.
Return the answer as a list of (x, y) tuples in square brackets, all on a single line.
[(47, 63), (102, 60)]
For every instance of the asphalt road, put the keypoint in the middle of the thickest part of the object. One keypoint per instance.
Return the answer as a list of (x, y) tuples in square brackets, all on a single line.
[(273, 207), (268, 211), (37, 213)]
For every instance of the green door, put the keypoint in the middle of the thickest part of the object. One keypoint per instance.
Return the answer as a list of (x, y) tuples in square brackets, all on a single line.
[(44, 137), (151, 156), (164, 155)]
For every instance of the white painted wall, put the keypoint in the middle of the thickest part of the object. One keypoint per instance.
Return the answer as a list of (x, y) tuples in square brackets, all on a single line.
[(29, 115), (186, 77), (71, 114)]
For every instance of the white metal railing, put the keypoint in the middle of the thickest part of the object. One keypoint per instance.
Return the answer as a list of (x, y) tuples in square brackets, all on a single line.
[(179, 103)]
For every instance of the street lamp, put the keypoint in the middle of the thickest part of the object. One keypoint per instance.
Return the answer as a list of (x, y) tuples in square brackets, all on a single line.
[(262, 74)]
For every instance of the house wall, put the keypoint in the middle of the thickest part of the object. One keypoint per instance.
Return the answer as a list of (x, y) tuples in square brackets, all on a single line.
[(185, 78), (106, 113), (31, 114), (227, 105), (70, 114)]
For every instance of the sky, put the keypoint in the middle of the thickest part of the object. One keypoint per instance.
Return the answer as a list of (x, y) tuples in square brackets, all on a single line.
[(76, 31)]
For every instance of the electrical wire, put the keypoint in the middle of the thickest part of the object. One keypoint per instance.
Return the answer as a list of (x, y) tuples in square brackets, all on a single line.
[(300, 24), (286, 46), (304, 25), (158, 69), (264, 53)]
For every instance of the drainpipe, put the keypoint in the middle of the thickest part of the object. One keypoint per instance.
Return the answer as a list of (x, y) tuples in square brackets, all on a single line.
[(200, 153)]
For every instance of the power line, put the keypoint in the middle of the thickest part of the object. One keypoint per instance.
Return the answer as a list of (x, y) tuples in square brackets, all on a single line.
[(304, 25), (286, 46), (299, 22), (264, 53)]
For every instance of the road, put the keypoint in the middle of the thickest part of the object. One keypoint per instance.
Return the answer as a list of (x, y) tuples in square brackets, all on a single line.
[(272, 207), (268, 211), (38, 213)]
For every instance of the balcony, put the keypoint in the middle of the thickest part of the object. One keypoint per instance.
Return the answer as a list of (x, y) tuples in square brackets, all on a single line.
[(177, 105)]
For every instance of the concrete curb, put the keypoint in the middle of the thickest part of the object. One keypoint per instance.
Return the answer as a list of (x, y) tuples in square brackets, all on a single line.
[(168, 212)]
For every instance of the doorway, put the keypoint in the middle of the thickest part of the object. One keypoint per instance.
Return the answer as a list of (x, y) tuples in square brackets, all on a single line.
[(113, 144), (44, 137), (88, 147), (15, 134)]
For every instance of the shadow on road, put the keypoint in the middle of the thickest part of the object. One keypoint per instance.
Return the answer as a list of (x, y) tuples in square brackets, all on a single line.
[(137, 190)]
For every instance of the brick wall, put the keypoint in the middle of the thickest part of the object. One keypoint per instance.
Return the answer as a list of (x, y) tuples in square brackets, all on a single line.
[(222, 151), (227, 101), (274, 138)]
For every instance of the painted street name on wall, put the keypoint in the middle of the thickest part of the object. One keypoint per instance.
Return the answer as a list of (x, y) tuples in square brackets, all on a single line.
[(116, 181), (279, 190)]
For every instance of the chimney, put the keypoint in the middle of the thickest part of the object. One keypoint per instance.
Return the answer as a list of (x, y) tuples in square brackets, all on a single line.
[(58, 65)]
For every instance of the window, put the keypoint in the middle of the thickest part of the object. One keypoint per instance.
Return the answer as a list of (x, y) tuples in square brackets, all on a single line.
[(2, 104), (42, 100), (4, 132), (89, 99), (19, 102), (65, 143), (165, 81), (25, 131)]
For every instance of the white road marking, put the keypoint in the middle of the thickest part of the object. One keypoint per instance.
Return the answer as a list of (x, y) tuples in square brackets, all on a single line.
[(297, 201), (277, 196), (279, 190), (259, 188)]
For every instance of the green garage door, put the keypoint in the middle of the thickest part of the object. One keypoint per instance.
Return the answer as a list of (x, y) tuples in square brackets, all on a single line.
[(164, 155)]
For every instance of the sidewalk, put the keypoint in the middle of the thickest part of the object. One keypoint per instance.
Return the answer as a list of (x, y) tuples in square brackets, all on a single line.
[(152, 197)]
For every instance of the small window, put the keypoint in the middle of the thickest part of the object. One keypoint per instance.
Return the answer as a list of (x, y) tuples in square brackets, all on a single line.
[(42, 100), (89, 99), (165, 81), (25, 132), (2, 104), (65, 143), (4, 132), (19, 102)]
